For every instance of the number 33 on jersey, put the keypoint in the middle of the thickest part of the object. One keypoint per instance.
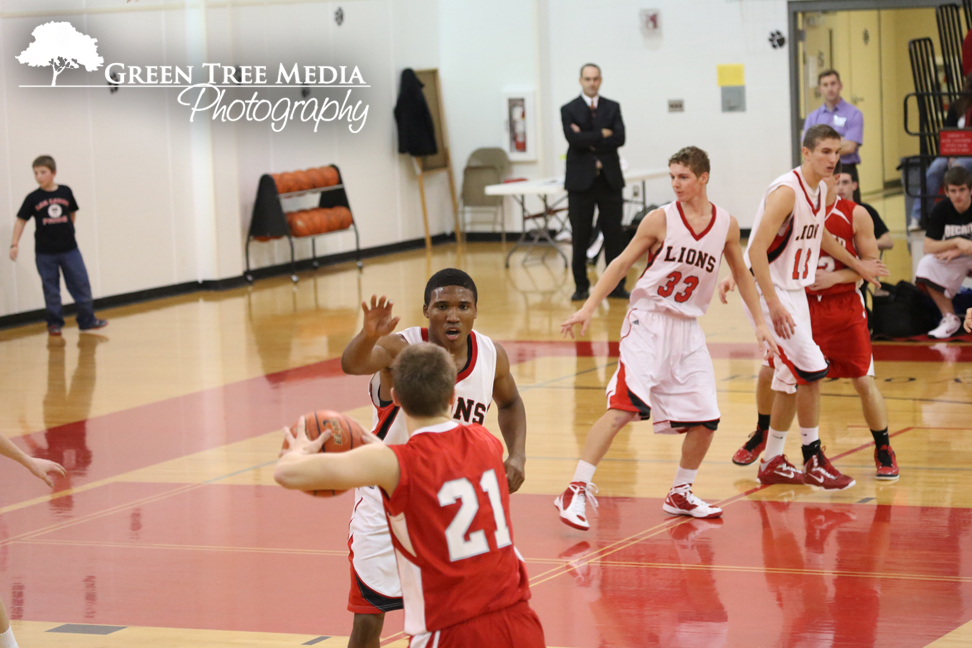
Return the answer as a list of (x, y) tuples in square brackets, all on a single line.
[(682, 274)]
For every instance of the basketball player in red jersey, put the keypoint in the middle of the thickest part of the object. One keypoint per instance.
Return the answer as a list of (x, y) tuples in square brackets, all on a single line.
[(788, 235), (483, 375), (839, 323), (448, 506), (663, 357)]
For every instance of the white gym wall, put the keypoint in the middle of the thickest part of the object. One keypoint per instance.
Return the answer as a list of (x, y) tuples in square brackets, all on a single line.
[(164, 201)]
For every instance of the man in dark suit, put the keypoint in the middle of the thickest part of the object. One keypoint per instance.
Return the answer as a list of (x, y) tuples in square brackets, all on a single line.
[(594, 132)]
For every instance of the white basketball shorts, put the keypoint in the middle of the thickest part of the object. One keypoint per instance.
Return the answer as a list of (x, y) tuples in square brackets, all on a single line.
[(375, 585), (665, 366), (802, 360)]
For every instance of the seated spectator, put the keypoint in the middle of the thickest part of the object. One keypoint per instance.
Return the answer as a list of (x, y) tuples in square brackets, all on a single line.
[(957, 117), (948, 249), (846, 188)]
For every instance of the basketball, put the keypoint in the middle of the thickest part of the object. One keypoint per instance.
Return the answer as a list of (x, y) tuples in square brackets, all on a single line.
[(330, 176), (346, 434), (316, 177), (287, 183), (301, 181)]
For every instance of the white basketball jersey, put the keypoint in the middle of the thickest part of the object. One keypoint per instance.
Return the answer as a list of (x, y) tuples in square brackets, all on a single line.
[(682, 275), (474, 388), (794, 253)]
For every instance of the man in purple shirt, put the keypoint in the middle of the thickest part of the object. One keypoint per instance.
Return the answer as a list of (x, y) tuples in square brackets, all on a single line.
[(844, 118)]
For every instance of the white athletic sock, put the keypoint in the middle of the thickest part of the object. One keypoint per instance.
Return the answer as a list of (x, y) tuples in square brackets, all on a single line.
[(775, 441), (684, 476), (584, 473), (809, 435), (7, 639)]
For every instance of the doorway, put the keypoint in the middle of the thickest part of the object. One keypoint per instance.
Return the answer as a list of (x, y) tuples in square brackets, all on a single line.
[(867, 43)]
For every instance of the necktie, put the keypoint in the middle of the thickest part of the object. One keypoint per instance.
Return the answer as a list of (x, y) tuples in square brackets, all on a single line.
[(593, 110)]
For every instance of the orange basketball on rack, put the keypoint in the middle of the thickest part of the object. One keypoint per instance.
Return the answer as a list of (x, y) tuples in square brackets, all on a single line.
[(277, 180), (298, 224), (302, 181), (316, 178), (330, 176), (342, 217), (288, 182), (315, 223), (346, 435)]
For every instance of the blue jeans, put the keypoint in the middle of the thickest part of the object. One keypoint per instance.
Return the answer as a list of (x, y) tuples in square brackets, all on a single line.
[(50, 266), (934, 176)]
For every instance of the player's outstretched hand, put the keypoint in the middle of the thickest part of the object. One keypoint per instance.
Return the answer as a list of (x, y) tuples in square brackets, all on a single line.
[(766, 342), (873, 268), (514, 473), (783, 322), (378, 320), (582, 317), (968, 320), (726, 286), (297, 440), (41, 467)]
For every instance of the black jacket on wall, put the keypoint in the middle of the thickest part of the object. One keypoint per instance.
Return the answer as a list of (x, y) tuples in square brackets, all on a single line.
[(589, 145), (416, 133)]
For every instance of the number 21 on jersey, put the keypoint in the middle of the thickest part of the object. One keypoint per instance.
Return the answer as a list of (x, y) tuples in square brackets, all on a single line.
[(461, 547)]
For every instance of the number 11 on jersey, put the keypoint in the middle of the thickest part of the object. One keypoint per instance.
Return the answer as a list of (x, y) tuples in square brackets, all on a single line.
[(806, 264)]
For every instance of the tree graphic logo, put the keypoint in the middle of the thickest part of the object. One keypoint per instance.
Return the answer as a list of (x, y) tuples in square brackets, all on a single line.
[(61, 46)]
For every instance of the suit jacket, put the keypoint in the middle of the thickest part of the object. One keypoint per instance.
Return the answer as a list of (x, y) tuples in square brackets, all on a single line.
[(589, 145), (416, 132)]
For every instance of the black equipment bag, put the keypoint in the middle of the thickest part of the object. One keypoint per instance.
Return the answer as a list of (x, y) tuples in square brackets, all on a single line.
[(904, 312)]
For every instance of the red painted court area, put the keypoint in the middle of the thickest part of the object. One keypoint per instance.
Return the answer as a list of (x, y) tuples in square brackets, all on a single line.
[(235, 557), (238, 557)]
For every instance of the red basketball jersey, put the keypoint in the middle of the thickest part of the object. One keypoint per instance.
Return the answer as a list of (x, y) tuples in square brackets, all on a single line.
[(840, 223), (450, 523)]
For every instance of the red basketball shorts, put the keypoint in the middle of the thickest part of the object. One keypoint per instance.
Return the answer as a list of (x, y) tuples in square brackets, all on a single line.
[(840, 330), (514, 627)]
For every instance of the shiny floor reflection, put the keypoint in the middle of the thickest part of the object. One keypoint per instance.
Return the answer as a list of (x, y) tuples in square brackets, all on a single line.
[(169, 526)]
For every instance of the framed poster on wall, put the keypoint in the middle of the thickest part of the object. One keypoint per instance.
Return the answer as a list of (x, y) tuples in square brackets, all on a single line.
[(520, 118)]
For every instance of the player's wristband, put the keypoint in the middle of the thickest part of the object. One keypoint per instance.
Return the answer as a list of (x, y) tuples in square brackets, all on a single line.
[(14, 245)]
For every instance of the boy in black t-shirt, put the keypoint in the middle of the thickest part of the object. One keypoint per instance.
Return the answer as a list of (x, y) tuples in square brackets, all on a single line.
[(55, 249), (948, 249)]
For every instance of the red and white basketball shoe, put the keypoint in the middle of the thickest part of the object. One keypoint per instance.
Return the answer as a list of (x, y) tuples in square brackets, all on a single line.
[(779, 471), (572, 504), (681, 501), (887, 463), (751, 449), (819, 473)]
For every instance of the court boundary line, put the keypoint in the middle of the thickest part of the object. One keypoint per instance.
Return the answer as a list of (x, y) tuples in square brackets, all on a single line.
[(187, 547), (775, 570)]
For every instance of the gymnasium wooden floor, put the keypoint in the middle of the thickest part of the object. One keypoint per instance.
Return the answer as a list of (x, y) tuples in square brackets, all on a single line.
[(169, 530)]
